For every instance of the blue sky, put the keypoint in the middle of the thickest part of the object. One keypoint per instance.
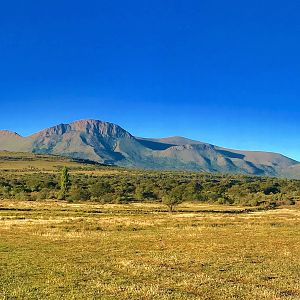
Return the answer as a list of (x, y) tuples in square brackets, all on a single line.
[(224, 72)]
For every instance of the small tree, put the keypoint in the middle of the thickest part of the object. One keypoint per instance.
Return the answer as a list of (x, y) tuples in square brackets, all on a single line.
[(64, 183), (173, 198)]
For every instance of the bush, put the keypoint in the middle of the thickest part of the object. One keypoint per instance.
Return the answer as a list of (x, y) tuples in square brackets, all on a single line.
[(77, 193)]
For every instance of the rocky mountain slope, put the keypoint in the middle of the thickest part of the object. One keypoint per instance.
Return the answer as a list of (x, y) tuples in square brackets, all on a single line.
[(108, 143)]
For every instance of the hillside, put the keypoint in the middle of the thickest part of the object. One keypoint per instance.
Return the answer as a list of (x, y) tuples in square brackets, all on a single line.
[(108, 143), (30, 162)]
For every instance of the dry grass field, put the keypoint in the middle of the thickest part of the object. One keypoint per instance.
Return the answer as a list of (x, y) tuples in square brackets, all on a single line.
[(21, 162), (58, 250)]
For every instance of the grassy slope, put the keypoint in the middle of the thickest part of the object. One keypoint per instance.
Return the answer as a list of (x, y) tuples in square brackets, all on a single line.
[(52, 250), (29, 162)]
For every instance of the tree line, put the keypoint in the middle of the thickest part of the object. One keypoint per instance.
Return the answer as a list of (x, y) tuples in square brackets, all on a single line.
[(170, 188)]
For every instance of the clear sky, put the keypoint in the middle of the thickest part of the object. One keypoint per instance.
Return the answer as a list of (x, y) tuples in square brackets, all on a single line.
[(224, 72)]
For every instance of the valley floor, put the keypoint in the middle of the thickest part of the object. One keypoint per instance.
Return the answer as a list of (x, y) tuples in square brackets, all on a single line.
[(56, 250)]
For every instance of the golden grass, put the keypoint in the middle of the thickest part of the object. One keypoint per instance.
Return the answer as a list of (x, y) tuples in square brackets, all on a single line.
[(52, 250), (23, 162), (35, 165)]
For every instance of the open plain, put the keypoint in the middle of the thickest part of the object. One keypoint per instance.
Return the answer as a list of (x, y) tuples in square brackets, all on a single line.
[(60, 250)]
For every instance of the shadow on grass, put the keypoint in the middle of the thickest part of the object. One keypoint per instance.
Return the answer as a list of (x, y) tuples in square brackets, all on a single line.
[(16, 209)]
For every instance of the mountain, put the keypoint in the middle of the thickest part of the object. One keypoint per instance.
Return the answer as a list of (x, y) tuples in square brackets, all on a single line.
[(108, 143), (7, 133)]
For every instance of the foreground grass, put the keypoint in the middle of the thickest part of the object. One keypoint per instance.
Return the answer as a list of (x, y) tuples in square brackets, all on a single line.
[(51, 250)]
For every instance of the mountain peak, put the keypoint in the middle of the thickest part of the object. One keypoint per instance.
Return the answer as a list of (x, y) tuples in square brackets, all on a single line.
[(88, 126), (99, 127), (9, 133), (87, 122)]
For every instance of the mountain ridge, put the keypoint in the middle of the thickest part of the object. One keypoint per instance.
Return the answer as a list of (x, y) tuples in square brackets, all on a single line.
[(9, 133), (108, 143)]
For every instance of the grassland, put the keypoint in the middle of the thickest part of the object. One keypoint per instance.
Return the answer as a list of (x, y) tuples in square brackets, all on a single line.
[(52, 249), (22, 162), (58, 250)]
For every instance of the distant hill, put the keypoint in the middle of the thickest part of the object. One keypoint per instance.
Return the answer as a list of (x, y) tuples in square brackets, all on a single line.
[(30, 162), (110, 144)]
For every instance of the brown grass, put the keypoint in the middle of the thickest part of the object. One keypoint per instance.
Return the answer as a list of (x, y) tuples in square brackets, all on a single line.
[(52, 250)]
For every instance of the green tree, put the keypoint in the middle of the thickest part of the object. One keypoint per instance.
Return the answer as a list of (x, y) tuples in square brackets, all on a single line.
[(64, 183), (173, 198)]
